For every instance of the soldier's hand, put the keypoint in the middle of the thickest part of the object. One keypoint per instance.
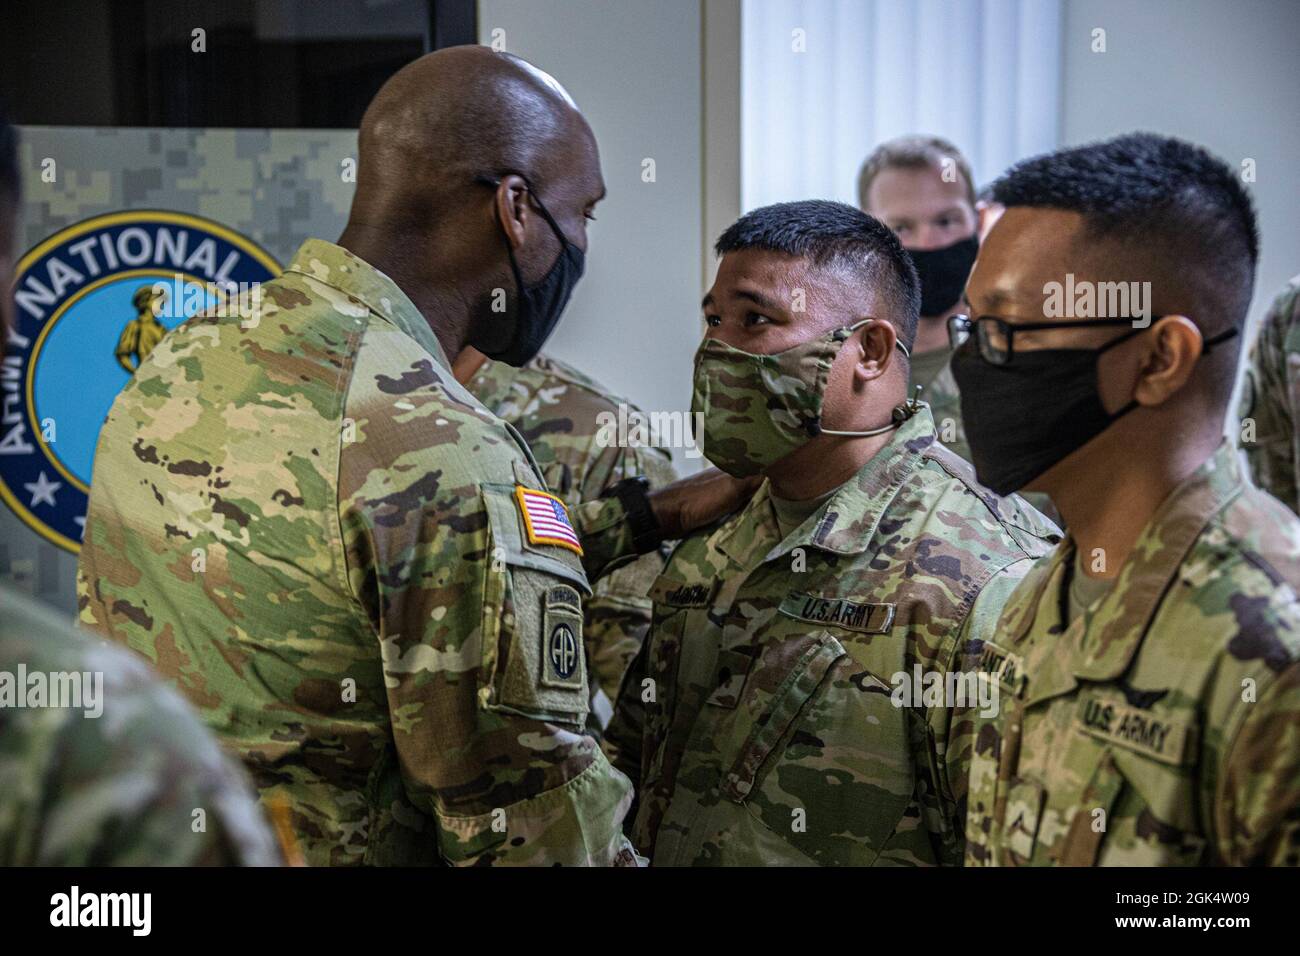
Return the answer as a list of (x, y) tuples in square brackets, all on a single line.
[(701, 499)]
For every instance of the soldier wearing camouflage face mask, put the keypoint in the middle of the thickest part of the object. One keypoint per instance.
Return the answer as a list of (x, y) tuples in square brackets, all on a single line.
[(775, 690)]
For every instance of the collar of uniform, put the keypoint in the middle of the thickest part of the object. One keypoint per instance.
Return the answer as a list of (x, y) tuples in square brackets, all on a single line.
[(1045, 608), (846, 522), (1118, 624), (492, 382), (1099, 645), (340, 269), (745, 538)]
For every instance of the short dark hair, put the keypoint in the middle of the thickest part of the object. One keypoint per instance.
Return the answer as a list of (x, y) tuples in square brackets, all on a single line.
[(835, 235), (1179, 207), (913, 152)]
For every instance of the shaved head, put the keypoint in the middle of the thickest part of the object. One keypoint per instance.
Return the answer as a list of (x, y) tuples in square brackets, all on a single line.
[(458, 154), (456, 114)]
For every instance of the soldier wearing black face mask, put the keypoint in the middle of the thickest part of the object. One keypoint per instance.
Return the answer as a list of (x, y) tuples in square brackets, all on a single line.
[(1149, 667), (921, 188)]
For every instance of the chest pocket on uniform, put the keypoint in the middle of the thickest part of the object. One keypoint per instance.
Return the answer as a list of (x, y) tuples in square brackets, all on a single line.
[(1143, 784), (1122, 790), (776, 690), (533, 657)]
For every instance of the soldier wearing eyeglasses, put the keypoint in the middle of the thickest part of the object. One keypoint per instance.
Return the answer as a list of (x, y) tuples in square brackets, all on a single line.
[(1149, 666)]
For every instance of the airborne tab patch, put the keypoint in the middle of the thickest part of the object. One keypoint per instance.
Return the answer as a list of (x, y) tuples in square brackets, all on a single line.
[(546, 520), (839, 612)]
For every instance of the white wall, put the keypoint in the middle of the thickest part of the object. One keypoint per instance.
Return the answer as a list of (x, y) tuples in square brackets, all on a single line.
[(1222, 74), (634, 70)]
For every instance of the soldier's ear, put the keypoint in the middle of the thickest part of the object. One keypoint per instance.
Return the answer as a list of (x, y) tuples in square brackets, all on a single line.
[(1172, 348), (511, 207), (873, 349)]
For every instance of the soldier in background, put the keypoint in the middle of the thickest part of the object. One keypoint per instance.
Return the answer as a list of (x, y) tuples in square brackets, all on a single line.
[(1269, 412), (349, 565), (786, 722), (1150, 667), (557, 409), (921, 187), (124, 776)]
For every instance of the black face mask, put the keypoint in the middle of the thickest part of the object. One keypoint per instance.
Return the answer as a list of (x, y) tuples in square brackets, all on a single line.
[(943, 274), (1024, 417), (537, 307)]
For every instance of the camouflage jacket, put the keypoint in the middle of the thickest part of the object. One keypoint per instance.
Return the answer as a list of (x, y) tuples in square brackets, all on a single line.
[(942, 396), (773, 734), (305, 523), (559, 412), (112, 768), (1270, 400), (1161, 727)]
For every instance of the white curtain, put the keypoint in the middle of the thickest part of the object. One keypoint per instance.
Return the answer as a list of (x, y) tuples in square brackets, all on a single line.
[(985, 74)]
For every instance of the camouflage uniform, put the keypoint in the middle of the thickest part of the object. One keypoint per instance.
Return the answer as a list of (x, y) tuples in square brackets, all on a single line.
[(311, 528), (1161, 727), (558, 410), (941, 394), (772, 737), (1270, 397), (121, 788)]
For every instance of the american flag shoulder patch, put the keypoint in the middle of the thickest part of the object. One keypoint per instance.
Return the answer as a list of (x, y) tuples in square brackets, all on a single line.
[(546, 519)]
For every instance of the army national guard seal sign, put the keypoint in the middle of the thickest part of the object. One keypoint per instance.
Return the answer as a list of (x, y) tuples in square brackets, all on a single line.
[(90, 303)]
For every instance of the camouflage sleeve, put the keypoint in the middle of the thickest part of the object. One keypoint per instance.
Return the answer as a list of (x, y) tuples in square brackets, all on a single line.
[(624, 738), (1267, 427), (618, 612), (606, 535), (481, 640), (141, 783), (1257, 813)]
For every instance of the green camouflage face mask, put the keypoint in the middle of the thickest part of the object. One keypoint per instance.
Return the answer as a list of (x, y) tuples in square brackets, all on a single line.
[(759, 408)]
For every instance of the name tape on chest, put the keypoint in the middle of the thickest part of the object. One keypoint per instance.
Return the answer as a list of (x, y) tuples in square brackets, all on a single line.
[(680, 594), (1159, 736), (546, 520), (1002, 666), (839, 612)]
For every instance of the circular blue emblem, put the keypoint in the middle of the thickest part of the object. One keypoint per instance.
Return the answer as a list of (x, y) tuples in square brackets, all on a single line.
[(90, 303)]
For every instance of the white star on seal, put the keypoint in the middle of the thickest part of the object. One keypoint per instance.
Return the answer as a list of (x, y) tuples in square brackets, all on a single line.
[(43, 489)]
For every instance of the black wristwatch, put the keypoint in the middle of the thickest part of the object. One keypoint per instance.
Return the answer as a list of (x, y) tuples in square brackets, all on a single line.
[(632, 492)]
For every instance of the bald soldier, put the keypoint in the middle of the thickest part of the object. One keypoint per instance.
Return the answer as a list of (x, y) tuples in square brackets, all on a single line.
[(1149, 668), (788, 683), (351, 567), (1269, 412), (558, 412), (100, 765)]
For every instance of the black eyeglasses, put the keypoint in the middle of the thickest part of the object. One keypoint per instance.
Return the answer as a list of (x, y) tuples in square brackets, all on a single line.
[(995, 337)]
